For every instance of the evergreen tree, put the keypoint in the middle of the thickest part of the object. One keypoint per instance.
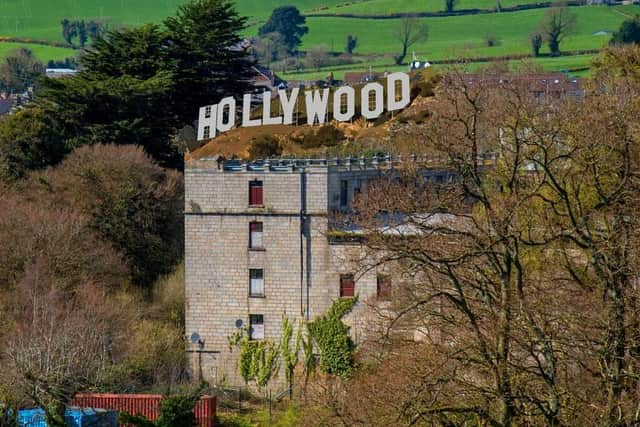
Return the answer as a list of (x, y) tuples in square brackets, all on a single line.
[(629, 32), (205, 57), (287, 21)]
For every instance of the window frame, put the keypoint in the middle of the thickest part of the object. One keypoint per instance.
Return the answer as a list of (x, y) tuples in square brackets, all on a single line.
[(254, 184), (344, 291), (252, 244), (384, 294), (253, 294)]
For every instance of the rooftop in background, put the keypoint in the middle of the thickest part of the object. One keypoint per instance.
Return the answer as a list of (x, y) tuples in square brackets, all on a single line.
[(555, 84), (60, 72)]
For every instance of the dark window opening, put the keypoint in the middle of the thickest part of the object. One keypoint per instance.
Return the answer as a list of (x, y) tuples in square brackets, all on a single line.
[(255, 193), (344, 193), (347, 286), (383, 287)]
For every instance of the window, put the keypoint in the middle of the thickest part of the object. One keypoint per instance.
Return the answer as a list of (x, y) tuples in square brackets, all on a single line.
[(207, 111), (347, 286), (256, 326), (255, 193), (384, 287), (256, 282), (255, 235), (344, 193), (207, 132)]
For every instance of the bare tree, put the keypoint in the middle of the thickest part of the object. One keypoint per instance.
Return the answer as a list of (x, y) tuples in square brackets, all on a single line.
[(518, 278), (61, 343), (409, 32), (557, 23)]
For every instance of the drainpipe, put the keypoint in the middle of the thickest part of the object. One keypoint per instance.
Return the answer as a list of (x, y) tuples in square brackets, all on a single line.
[(304, 234)]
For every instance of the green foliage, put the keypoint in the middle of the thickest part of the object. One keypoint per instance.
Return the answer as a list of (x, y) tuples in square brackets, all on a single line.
[(352, 42), (536, 43), (264, 146), (332, 337), (175, 411), (139, 85), (258, 360), (28, 140), (202, 57), (287, 21), (629, 32), (290, 354), (449, 5)]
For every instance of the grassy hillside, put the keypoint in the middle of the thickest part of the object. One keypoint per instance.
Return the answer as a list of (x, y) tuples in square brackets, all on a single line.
[(383, 7), (455, 35), (48, 52), (449, 37)]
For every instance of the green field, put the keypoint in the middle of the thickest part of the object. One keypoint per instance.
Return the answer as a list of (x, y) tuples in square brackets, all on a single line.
[(449, 37), (463, 35), (565, 64), (384, 7), (42, 52), (40, 19)]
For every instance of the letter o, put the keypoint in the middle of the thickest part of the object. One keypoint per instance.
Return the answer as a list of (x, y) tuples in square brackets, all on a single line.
[(230, 104), (378, 91), (337, 104)]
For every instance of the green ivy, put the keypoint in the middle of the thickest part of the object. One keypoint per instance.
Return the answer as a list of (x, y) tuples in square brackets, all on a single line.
[(332, 338), (290, 355), (258, 360)]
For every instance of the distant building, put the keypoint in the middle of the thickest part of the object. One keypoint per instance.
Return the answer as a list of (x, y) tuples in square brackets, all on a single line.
[(419, 65), (60, 72), (6, 104), (554, 85), (266, 80), (353, 78)]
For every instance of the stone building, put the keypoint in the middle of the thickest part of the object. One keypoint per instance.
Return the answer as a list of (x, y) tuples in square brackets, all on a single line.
[(258, 246)]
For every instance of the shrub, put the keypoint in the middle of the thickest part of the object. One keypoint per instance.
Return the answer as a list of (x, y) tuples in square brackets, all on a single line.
[(491, 40), (129, 201), (264, 146), (325, 136)]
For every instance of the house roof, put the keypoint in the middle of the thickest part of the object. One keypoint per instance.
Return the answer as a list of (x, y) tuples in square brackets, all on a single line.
[(5, 105), (549, 83), (266, 75), (352, 78)]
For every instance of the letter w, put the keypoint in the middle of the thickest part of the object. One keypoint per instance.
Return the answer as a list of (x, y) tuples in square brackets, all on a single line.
[(316, 105)]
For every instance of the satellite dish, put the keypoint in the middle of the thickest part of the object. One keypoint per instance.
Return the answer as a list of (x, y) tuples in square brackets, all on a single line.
[(195, 338), (239, 323)]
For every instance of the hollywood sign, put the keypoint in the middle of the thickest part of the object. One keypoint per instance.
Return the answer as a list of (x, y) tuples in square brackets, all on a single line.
[(221, 117)]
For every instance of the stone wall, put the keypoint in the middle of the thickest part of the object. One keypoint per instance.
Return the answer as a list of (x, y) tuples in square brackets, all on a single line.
[(301, 271)]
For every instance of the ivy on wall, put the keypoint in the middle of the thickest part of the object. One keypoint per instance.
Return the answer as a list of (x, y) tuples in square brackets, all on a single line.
[(258, 360), (332, 338)]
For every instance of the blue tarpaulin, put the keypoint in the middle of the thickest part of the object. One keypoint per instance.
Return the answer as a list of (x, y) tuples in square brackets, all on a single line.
[(75, 417)]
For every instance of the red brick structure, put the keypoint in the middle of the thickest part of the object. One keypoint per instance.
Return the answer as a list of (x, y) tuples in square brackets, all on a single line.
[(145, 404)]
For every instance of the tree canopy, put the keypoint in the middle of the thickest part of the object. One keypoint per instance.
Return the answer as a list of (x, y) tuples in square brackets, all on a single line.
[(629, 32), (287, 21), (141, 85)]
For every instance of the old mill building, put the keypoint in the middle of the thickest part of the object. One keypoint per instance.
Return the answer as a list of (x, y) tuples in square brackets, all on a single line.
[(258, 247)]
